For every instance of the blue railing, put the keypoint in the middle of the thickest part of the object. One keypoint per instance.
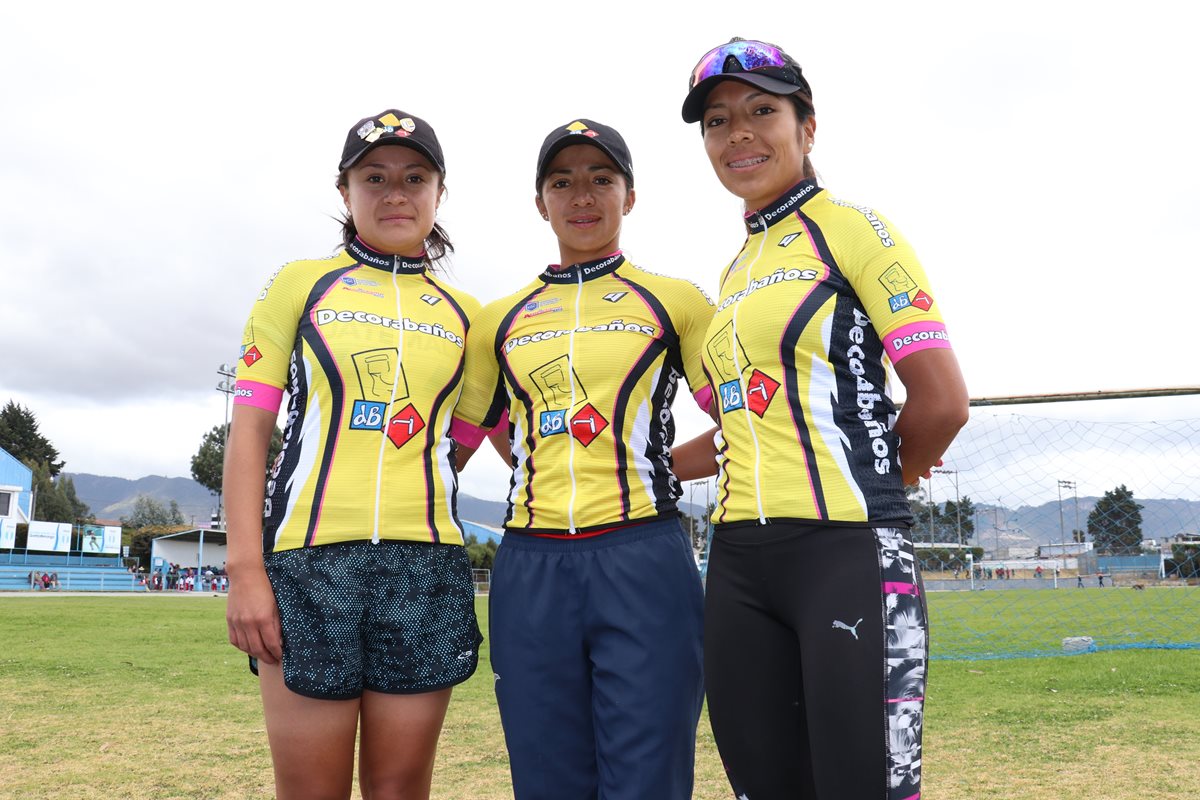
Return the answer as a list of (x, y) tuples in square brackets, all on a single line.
[(39, 558)]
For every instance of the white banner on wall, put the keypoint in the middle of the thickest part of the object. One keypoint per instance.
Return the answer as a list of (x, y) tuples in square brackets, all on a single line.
[(112, 539), (53, 536), (8, 534)]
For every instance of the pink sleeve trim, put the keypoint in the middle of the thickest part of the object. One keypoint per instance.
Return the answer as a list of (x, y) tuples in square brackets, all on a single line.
[(259, 395), (915, 337), (704, 399), (467, 434)]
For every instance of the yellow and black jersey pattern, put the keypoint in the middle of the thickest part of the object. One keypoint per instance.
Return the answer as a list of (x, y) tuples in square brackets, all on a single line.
[(821, 297), (370, 350), (586, 361)]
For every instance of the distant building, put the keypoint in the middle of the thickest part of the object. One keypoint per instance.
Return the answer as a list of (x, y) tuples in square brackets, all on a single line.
[(1014, 552), (1063, 549), (16, 489)]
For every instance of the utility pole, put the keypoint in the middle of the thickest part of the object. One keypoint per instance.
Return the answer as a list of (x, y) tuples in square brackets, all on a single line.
[(225, 387), (1061, 527), (957, 501)]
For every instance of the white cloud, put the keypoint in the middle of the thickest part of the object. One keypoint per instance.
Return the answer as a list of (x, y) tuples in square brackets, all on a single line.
[(158, 167)]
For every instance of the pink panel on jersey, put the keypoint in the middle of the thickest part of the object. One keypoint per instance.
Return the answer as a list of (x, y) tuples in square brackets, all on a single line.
[(259, 395), (900, 588), (915, 337), (704, 399)]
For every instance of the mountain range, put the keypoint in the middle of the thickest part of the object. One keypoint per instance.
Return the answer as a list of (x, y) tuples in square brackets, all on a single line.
[(112, 498)]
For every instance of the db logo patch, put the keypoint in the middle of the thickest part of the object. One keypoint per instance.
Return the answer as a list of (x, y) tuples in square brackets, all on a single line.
[(587, 424), (404, 426), (731, 396), (367, 416), (553, 422)]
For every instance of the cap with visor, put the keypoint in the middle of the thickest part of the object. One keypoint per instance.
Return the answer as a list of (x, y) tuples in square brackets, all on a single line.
[(747, 60), (392, 127), (585, 131)]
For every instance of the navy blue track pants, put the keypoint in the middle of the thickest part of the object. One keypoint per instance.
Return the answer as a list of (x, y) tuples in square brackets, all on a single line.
[(597, 653)]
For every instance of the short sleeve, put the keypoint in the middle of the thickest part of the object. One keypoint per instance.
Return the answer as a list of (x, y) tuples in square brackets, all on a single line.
[(695, 313), (269, 337), (896, 294), (483, 399)]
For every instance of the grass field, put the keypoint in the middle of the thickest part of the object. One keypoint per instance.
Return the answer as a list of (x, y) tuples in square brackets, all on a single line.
[(141, 696), (1035, 621)]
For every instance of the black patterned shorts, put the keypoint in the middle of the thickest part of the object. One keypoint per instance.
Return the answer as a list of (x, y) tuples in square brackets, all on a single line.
[(395, 617)]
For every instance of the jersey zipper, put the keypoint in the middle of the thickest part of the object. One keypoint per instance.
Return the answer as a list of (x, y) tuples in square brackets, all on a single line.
[(571, 377), (383, 440), (762, 519)]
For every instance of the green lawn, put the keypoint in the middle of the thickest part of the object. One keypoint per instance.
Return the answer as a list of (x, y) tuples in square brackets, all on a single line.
[(1035, 621), (141, 696)]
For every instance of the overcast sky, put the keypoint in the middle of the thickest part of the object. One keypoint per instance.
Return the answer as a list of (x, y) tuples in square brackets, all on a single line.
[(160, 161)]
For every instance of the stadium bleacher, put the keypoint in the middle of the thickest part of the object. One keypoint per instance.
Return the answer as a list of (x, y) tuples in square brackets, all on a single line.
[(71, 577)]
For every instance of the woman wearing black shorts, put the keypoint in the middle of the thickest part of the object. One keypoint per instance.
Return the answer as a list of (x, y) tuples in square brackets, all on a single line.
[(815, 624), (352, 593)]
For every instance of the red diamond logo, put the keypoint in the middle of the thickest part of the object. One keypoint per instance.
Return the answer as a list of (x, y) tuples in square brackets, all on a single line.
[(587, 424), (404, 426), (251, 355), (759, 391), (922, 300)]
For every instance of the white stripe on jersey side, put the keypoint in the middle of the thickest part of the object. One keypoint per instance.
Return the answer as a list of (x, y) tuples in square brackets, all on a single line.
[(309, 449), (822, 386), (639, 442), (442, 454), (520, 455)]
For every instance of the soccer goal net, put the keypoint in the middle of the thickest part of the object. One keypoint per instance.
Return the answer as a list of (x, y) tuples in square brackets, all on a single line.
[(1058, 525)]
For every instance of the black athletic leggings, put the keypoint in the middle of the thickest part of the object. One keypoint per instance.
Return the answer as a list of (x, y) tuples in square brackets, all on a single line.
[(814, 659)]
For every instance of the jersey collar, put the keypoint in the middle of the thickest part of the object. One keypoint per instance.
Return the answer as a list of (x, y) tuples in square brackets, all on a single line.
[(782, 208), (399, 264), (588, 269)]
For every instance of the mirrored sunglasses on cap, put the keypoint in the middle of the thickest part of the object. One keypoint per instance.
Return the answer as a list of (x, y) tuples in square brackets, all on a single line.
[(748, 56)]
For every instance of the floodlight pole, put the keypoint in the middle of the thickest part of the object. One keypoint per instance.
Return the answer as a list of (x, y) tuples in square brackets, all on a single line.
[(1061, 527), (225, 387)]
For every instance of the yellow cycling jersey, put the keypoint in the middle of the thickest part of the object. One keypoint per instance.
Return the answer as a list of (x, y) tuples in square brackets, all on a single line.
[(369, 349), (822, 296), (586, 362)]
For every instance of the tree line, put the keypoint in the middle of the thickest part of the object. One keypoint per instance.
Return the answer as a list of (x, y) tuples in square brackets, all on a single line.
[(1114, 524)]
